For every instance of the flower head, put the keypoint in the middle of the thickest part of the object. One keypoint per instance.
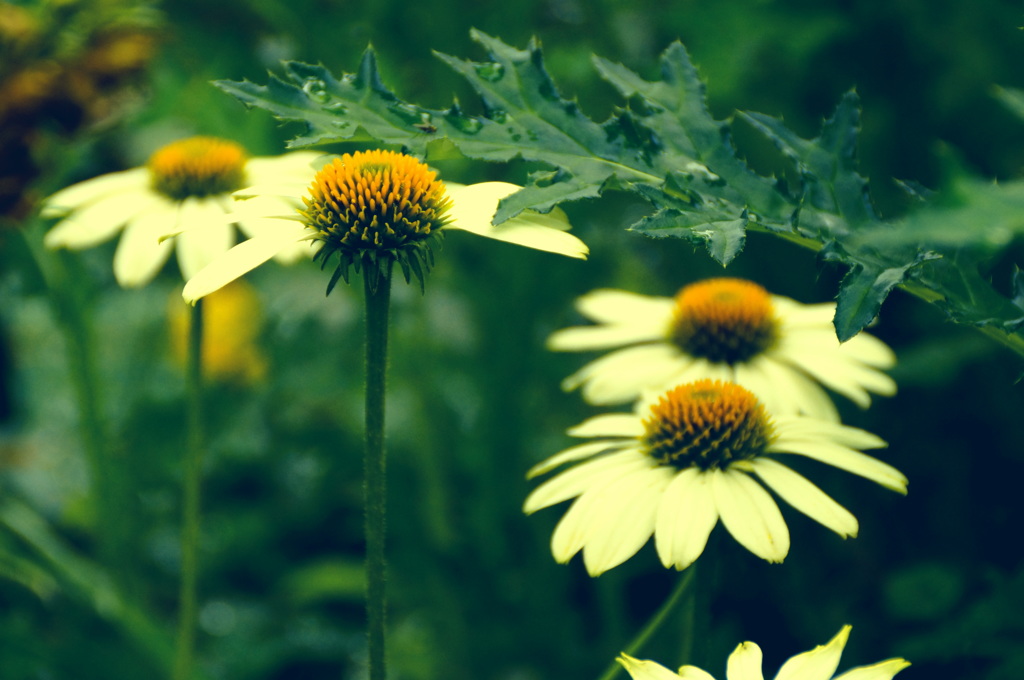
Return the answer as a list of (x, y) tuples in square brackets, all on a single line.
[(374, 209), (688, 458), (185, 183), (728, 329), (744, 663)]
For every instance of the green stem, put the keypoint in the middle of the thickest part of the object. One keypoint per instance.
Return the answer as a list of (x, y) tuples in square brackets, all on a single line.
[(69, 306), (633, 648), (192, 478), (378, 295)]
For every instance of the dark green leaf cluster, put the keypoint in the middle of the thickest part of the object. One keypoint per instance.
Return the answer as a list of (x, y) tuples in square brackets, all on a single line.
[(664, 145)]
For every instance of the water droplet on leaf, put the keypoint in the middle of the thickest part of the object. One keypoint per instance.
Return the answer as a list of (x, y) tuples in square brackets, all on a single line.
[(316, 89), (490, 71)]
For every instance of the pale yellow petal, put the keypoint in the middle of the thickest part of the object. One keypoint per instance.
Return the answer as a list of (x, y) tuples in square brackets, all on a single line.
[(645, 669), (573, 454), (750, 514), (686, 516), (745, 663), (206, 236), (473, 209), (140, 253), (883, 670), (238, 261), (583, 477), (99, 221), (78, 195), (805, 496), (609, 425), (819, 663)]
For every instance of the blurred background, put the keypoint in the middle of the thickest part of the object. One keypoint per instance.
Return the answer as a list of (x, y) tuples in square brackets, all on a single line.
[(94, 86)]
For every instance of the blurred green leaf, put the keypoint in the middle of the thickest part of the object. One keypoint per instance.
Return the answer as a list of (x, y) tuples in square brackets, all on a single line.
[(330, 579)]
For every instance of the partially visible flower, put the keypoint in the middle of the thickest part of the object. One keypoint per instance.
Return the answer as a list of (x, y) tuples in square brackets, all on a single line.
[(231, 327), (375, 209), (677, 465), (727, 329), (744, 663), (187, 183)]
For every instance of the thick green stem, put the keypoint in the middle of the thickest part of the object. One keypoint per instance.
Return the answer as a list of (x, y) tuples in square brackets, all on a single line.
[(683, 587), (378, 295), (70, 309), (192, 480)]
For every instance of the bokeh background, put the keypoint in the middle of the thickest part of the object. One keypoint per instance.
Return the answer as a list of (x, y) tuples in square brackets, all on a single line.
[(94, 86)]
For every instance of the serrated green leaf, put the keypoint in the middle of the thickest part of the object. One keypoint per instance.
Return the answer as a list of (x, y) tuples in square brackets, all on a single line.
[(826, 164), (865, 287)]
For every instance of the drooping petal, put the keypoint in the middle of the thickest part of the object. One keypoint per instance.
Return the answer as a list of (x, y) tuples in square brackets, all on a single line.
[(238, 261), (837, 433), (609, 425), (750, 514), (686, 516), (125, 183), (819, 663), (585, 476), (624, 520), (297, 166), (621, 307), (474, 206), (101, 220), (573, 454), (585, 338), (844, 458), (140, 253), (883, 670), (622, 375), (694, 673), (796, 490), (785, 390), (745, 663), (647, 670), (206, 236)]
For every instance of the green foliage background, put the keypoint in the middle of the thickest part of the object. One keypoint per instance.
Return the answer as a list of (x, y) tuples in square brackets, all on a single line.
[(936, 577)]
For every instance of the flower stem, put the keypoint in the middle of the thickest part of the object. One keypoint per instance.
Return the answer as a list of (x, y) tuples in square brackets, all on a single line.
[(378, 295), (192, 478), (682, 588)]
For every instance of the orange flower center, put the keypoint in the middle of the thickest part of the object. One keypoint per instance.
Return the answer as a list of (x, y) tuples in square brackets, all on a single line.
[(198, 167), (375, 200), (724, 320), (708, 424)]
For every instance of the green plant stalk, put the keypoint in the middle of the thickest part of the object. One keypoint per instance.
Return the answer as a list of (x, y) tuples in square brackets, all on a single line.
[(682, 588), (191, 483), (378, 296), (69, 308)]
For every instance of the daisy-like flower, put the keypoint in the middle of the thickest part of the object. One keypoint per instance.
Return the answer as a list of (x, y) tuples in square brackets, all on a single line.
[(744, 663), (679, 464), (727, 329), (374, 209), (187, 183)]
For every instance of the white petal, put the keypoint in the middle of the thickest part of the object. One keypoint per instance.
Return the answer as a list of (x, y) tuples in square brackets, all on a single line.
[(205, 236), (686, 516), (625, 519), (572, 454), (646, 670), (607, 305), (694, 673), (805, 496), (586, 338), (474, 206), (621, 376), (91, 190), (239, 260), (783, 389), (299, 166), (883, 670), (870, 350), (140, 254), (750, 514), (745, 663), (844, 458), (837, 433), (585, 476), (819, 663), (99, 221), (609, 425)]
